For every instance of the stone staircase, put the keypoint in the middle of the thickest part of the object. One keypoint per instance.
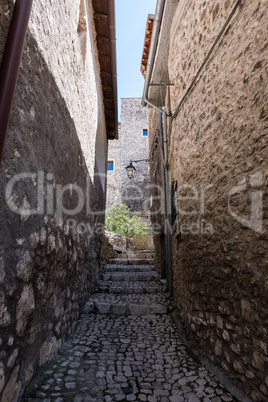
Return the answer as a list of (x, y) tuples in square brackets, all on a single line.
[(126, 348), (130, 286)]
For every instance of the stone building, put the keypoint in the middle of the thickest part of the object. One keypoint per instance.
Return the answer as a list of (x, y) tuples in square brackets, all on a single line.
[(53, 179), (114, 196), (208, 63), (131, 145)]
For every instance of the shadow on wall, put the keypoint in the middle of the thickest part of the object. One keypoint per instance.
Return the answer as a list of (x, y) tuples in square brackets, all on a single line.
[(46, 273), (101, 153)]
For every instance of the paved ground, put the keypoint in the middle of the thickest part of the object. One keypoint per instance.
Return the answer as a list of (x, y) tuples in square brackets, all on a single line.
[(125, 357)]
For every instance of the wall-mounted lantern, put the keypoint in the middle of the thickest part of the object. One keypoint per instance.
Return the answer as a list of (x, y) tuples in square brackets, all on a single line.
[(131, 169)]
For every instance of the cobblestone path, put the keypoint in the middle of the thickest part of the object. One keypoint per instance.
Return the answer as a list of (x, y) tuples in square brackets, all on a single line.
[(126, 348)]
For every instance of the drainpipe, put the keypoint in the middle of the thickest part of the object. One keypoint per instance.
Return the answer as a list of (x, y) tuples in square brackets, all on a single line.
[(11, 63), (153, 46), (167, 204), (163, 129), (111, 7)]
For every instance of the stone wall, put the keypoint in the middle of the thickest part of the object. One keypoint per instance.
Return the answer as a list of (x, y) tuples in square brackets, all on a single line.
[(107, 250), (114, 194), (218, 146), (134, 146), (131, 145), (120, 242), (157, 191), (48, 267)]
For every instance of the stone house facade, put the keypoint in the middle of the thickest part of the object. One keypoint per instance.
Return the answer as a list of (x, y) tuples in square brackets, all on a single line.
[(132, 145), (157, 196), (53, 180), (114, 196), (212, 58)]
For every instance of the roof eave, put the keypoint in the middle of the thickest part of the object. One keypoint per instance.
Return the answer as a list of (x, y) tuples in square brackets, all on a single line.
[(104, 18)]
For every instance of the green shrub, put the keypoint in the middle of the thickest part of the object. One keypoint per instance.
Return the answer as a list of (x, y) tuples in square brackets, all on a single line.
[(120, 221)]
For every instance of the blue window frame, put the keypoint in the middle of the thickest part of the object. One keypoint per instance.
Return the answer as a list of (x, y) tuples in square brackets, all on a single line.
[(145, 132), (110, 165)]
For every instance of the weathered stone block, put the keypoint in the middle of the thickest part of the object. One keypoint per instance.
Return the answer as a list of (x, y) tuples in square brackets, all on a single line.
[(257, 343), (258, 360), (246, 310), (137, 309), (238, 367), (236, 348), (103, 308), (2, 377), (264, 389), (51, 244), (2, 270), (226, 335), (119, 309), (218, 347), (13, 387), (5, 318), (219, 322), (224, 308), (212, 320), (250, 374), (157, 309), (12, 358), (34, 240), (25, 267), (43, 236), (47, 350), (25, 308), (89, 307), (106, 277), (29, 374)]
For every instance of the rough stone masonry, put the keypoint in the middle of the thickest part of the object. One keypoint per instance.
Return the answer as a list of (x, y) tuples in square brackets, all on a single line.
[(218, 140), (57, 137), (132, 145), (126, 347), (218, 158)]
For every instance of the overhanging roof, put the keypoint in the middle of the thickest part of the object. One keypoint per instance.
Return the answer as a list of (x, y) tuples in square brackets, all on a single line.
[(161, 39), (104, 18), (147, 42)]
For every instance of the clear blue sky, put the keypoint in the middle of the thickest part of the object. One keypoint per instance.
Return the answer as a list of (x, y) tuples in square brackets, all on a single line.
[(131, 18)]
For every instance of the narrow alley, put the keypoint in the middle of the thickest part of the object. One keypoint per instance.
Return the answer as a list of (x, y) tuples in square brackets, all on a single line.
[(126, 347), (133, 201)]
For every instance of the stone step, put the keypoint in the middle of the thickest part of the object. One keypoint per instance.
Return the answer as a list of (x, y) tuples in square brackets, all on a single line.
[(136, 261), (128, 268), (128, 287), (136, 305), (130, 276), (137, 255)]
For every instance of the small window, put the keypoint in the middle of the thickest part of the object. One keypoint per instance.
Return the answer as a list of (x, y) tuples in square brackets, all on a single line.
[(110, 165), (145, 132)]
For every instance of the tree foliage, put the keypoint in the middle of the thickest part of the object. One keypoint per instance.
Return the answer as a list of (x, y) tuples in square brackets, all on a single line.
[(120, 221)]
